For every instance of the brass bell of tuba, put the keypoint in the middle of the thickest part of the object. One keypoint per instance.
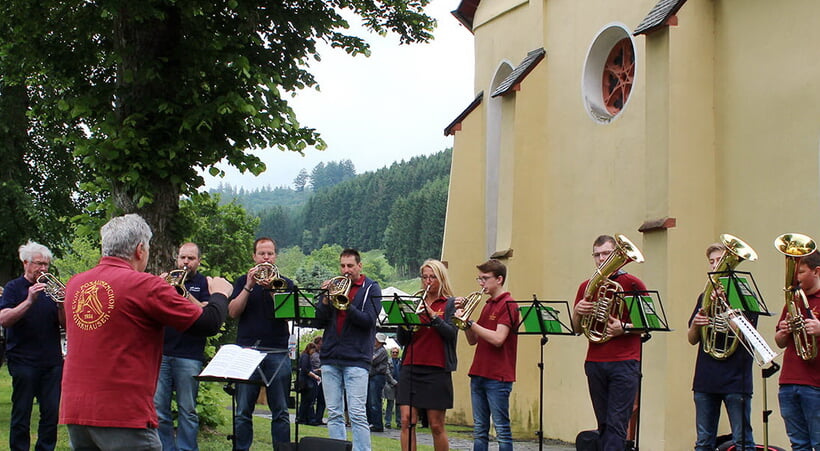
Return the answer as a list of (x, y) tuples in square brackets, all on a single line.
[(718, 338), (471, 302), (601, 290), (338, 291), (268, 274), (796, 246), (55, 289), (177, 280)]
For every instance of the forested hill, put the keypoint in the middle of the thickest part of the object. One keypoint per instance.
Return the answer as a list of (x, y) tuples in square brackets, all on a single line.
[(399, 208)]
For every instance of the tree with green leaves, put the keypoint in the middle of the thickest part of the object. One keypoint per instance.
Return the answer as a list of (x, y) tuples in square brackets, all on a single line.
[(164, 89)]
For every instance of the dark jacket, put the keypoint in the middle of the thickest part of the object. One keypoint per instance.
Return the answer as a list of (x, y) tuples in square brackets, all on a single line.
[(445, 328), (353, 345)]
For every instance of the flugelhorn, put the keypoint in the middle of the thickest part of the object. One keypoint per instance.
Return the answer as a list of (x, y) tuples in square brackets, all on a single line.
[(177, 280), (268, 274), (601, 290), (54, 288), (718, 338), (471, 302), (796, 246), (338, 292)]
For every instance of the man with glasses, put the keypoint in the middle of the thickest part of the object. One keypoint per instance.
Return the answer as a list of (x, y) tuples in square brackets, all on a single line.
[(493, 371), (612, 367), (35, 359)]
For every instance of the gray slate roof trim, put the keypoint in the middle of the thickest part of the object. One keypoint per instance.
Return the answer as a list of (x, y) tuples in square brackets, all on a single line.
[(519, 73), (658, 16)]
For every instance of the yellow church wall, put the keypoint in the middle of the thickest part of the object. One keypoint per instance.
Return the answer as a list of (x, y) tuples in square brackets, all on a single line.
[(720, 133)]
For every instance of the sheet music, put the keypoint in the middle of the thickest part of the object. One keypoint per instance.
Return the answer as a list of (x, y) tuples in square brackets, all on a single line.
[(753, 341), (234, 362)]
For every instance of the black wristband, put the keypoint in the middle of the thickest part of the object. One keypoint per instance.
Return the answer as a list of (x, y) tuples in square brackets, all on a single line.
[(246, 289), (469, 323)]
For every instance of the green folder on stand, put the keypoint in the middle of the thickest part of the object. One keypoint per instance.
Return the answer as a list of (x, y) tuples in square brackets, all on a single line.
[(284, 305), (541, 319)]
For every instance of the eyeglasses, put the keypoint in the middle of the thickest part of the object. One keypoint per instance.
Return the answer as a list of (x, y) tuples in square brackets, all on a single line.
[(481, 279), (429, 277), (40, 263)]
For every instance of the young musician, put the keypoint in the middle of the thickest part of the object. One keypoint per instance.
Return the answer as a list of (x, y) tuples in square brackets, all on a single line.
[(252, 303), (799, 394), (727, 381), (612, 367), (182, 357), (347, 350), (493, 371), (115, 332), (35, 360), (425, 378)]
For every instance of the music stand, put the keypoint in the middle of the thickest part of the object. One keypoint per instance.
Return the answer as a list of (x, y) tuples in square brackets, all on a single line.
[(298, 306), (543, 318), (401, 312), (646, 314), (230, 381)]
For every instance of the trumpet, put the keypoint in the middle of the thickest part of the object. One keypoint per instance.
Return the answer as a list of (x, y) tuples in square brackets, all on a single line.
[(268, 274), (177, 280), (471, 301), (338, 291), (54, 288)]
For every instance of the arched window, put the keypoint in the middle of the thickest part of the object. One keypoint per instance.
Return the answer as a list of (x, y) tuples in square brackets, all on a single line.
[(499, 164)]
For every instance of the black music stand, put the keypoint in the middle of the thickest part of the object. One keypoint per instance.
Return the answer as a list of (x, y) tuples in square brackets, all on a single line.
[(297, 305), (543, 318), (646, 314), (230, 388), (401, 312)]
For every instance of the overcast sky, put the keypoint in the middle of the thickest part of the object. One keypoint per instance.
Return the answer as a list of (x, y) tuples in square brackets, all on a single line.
[(391, 106)]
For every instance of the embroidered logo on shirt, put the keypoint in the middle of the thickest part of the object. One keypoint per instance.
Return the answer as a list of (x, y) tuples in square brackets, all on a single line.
[(92, 305)]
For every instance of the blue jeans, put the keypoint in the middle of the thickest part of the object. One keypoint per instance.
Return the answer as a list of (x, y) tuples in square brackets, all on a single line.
[(27, 383), (491, 397), (276, 366), (374, 400), (707, 415), (93, 438), (350, 382), (799, 408), (319, 413), (612, 389), (306, 414), (176, 373)]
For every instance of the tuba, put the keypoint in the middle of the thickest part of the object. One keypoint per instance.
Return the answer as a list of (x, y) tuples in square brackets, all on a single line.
[(338, 291), (471, 302), (601, 290), (268, 274), (718, 338), (177, 280), (796, 246), (54, 288)]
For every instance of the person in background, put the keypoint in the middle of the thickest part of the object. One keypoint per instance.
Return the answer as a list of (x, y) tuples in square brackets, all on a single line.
[(390, 391), (252, 304), (380, 376), (493, 371), (307, 381), (35, 361), (182, 357), (425, 379), (347, 350), (316, 366), (115, 335)]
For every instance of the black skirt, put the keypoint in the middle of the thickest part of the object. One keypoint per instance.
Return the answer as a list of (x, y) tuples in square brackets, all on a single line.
[(425, 387)]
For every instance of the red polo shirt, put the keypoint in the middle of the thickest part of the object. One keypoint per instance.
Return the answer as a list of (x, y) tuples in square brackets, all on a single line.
[(497, 363)]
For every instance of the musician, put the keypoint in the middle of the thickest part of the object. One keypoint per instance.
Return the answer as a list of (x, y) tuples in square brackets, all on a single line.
[(380, 376), (115, 331), (493, 370), (182, 358), (727, 381), (799, 394), (252, 303), (612, 367), (347, 350), (35, 360)]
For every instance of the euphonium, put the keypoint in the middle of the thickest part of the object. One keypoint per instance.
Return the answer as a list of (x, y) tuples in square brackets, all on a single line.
[(471, 301), (268, 274), (338, 291), (718, 338), (177, 280), (54, 288), (601, 290), (796, 246)]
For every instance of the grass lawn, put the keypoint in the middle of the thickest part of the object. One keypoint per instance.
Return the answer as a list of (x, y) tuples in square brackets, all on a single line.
[(209, 440)]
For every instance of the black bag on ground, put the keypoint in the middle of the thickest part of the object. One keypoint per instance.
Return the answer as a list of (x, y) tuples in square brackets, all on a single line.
[(587, 441)]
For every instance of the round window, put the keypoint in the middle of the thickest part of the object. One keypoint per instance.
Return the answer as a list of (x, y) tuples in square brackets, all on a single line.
[(609, 72)]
